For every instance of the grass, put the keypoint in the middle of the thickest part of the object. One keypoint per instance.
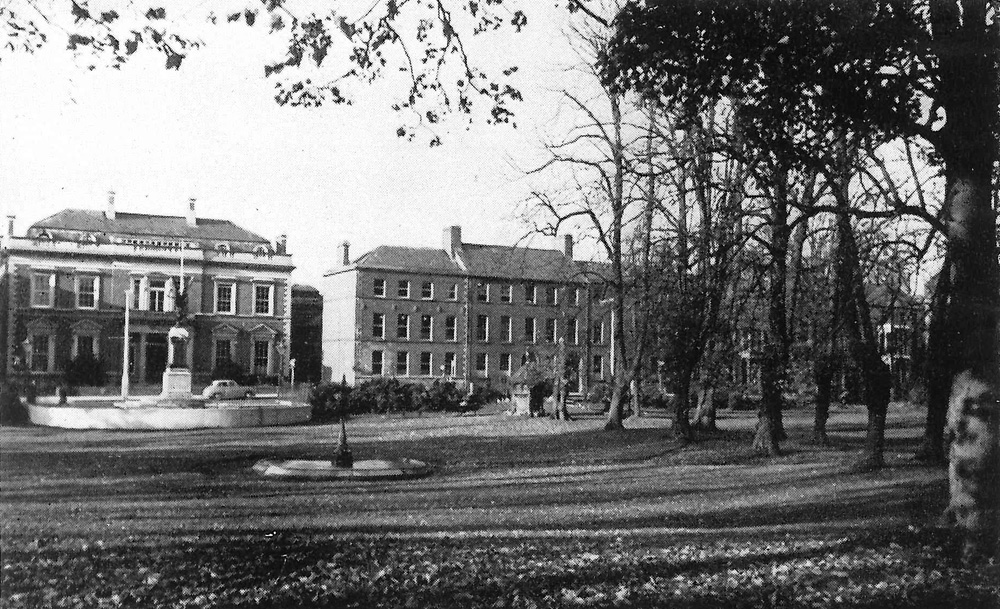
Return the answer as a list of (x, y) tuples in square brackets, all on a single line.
[(519, 513)]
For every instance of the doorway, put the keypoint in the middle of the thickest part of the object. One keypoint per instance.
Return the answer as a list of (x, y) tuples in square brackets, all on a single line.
[(156, 357)]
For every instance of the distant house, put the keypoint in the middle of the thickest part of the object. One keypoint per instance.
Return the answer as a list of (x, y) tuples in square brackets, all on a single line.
[(307, 333), (464, 312), (64, 286)]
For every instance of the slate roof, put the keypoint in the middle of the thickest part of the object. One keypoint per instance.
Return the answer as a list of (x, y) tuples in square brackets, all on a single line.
[(506, 262), (147, 225), (487, 261), (401, 258)]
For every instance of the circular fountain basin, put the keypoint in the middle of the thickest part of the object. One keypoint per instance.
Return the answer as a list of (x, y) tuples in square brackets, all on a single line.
[(159, 414), (368, 469)]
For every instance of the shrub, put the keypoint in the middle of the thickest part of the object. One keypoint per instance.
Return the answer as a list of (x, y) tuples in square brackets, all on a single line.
[(229, 370), (441, 396), (330, 401), (84, 370), (381, 396), (12, 411), (599, 393), (481, 396)]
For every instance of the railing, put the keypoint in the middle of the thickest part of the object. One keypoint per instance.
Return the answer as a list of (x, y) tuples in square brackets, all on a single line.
[(118, 250)]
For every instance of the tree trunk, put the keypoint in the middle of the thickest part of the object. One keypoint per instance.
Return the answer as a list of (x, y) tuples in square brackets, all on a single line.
[(937, 374), (967, 79), (704, 415), (615, 410), (766, 441), (682, 407), (824, 389)]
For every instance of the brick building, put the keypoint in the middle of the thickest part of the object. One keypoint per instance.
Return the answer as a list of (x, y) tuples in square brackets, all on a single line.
[(64, 284), (463, 312)]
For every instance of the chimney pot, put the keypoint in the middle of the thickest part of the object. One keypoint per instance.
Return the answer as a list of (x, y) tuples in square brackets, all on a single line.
[(568, 246), (453, 241), (10, 225), (345, 253), (192, 220), (110, 213), (281, 245)]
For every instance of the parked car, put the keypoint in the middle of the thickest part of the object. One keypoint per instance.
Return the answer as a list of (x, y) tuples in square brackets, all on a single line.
[(226, 390)]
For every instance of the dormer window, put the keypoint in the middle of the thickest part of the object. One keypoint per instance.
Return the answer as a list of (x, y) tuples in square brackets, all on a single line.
[(223, 248), (261, 250)]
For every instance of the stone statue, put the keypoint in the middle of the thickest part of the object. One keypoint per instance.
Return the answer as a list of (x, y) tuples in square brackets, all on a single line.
[(178, 338)]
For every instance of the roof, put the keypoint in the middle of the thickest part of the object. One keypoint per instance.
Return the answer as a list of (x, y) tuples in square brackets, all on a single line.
[(509, 262), (488, 261), (401, 258), (145, 224)]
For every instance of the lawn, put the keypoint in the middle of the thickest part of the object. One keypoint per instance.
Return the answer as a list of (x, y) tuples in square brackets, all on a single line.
[(518, 513)]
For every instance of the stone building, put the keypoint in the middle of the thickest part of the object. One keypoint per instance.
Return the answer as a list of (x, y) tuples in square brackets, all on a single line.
[(464, 312), (65, 282)]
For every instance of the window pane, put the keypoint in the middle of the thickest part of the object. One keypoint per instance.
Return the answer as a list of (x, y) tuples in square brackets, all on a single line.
[(84, 345), (402, 363), (425, 326), (378, 325), (223, 352), (41, 290), (378, 287), (425, 364), (157, 294), (427, 290), (40, 352), (403, 326), (86, 296), (376, 362), (262, 300), (223, 297), (404, 289), (261, 353)]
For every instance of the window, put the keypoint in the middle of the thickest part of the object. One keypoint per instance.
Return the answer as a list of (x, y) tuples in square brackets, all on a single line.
[(550, 330), (43, 289), (450, 327), (574, 296), (158, 295), (84, 343), (378, 288), (529, 329), (529, 293), (597, 334), (223, 351), (482, 327), (453, 291), (86, 292), (506, 292), (402, 326), (378, 325), (41, 354), (402, 363), (481, 363), (573, 330), (224, 298), (137, 292), (598, 366), (450, 364), (506, 329), (261, 356), (263, 299), (376, 362), (551, 295), (426, 327), (427, 290), (403, 289), (425, 364), (505, 363), (483, 292)]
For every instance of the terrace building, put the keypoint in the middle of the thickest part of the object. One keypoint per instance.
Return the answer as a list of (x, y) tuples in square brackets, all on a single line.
[(64, 286), (464, 312)]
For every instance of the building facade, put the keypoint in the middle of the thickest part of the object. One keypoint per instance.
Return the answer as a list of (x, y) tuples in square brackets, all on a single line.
[(307, 333), (66, 281), (465, 312)]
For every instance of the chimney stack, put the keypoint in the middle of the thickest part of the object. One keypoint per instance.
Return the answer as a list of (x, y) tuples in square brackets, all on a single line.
[(281, 245), (568, 246), (453, 241), (192, 220), (345, 253), (110, 213), (10, 225)]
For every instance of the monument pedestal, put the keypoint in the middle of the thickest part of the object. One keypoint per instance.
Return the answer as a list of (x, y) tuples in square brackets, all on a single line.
[(176, 383)]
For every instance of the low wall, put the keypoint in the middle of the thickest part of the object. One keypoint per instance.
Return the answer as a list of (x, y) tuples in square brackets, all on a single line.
[(239, 414)]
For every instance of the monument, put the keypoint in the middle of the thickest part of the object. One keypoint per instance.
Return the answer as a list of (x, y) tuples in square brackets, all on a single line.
[(177, 376)]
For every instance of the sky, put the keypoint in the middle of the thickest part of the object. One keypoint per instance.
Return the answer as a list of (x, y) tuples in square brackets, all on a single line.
[(212, 131)]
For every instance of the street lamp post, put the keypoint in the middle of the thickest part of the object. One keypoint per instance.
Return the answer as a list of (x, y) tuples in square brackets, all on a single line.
[(125, 345)]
